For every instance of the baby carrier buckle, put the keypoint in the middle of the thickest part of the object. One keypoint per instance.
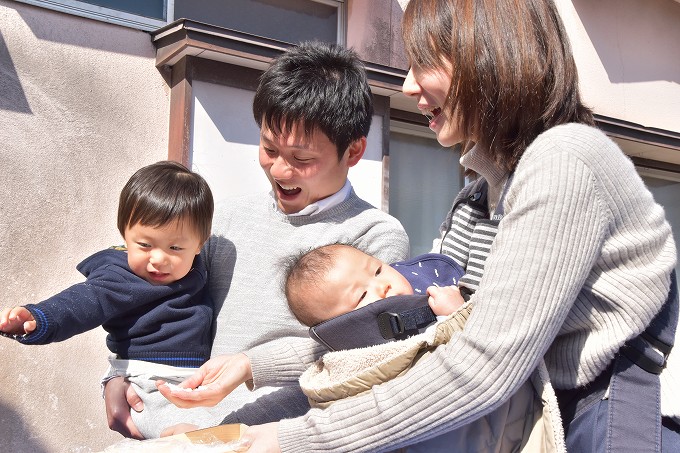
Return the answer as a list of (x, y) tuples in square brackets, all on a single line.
[(390, 325), (647, 352)]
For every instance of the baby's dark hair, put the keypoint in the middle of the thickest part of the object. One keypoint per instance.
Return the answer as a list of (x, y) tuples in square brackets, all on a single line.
[(164, 192), (305, 273)]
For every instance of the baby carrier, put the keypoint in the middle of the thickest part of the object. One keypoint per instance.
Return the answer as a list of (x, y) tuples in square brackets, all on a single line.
[(528, 421), (531, 419)]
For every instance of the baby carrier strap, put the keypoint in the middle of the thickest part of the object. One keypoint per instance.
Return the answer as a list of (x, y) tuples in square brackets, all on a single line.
[(474, 192), (468, 207), (395, 317), (482, 236), (650, 350), (634, 416), (398, 325)]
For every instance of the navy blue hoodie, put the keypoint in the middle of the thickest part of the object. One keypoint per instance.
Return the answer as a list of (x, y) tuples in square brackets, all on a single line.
[(168, 324)]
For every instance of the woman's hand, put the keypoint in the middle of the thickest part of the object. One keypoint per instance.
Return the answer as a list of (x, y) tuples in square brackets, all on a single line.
[(119, 397), (213, 381), (262, 438), (444, 300)]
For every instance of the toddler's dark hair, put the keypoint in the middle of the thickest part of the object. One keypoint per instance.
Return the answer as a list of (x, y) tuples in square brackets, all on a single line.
[(161, 193)]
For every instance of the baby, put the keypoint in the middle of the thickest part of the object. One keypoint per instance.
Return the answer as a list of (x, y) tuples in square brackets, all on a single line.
[(334, 279), (150, 295)]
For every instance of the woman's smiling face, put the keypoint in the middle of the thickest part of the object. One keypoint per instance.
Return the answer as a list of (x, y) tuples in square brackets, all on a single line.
[(430, 87)]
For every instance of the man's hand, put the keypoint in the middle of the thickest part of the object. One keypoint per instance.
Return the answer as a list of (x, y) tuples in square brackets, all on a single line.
[(213, 381), (17, 321), (119, 397), (444, 300)]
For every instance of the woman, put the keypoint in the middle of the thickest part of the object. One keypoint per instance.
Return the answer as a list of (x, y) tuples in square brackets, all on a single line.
[(581, 261)]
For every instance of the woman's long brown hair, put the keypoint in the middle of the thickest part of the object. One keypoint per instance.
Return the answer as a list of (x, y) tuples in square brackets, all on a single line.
[(513, 72)]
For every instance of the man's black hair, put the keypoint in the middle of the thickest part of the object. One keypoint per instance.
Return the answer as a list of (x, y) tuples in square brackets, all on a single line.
[(317, 86)]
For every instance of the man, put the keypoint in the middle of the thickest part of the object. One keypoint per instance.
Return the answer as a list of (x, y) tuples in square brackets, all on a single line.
[(314, 109)]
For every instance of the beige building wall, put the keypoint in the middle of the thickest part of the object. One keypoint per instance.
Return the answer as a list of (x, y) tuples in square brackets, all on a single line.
[(629, 64), (628, 57), (374, 31), (81, 107)]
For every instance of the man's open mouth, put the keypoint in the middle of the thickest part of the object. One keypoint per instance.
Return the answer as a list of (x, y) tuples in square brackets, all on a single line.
[(289, 191)]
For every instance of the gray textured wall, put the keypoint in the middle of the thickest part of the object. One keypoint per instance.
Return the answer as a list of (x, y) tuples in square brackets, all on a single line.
[(81, 107)]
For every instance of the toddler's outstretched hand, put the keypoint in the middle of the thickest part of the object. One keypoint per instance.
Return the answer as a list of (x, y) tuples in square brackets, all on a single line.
[(17, 321), (444, 300)]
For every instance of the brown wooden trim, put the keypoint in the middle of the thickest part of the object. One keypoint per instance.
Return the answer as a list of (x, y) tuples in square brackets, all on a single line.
[(384, 77), (409, 117), (381, 107), (179, 134), (226, 74), (182, 76), (635, 132), (385, 206), (655, 164), (186, 37)]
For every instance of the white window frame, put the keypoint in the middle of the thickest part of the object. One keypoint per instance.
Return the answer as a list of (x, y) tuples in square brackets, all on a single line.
[(342, 18), (101, 13)]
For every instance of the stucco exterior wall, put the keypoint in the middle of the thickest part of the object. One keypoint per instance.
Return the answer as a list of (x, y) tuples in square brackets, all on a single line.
[(81, 108), (374, 31), (628, 57)]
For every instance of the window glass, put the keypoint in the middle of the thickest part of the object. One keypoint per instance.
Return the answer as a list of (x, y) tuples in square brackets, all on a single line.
[(290, 21), (154, 9), (143, 15), (424, 180), (665, 193)]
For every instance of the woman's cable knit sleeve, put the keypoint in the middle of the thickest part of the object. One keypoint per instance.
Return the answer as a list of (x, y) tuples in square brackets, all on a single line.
[(563, 233)]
